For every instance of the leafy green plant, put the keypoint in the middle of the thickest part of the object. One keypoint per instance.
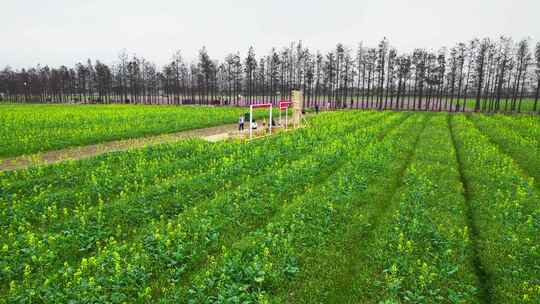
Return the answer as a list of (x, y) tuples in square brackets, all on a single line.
[(360, 207)]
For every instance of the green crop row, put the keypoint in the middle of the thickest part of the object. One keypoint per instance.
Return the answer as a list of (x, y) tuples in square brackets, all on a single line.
[(409, 244), (526, 125), (293, 146), (69, 232), (258, 267), (426, 254), (522, 144), (506, 213), (360, 207)]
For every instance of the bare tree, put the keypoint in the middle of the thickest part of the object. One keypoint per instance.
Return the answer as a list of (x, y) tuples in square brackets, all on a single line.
[(480, 62), (537, 73), (523, 58)]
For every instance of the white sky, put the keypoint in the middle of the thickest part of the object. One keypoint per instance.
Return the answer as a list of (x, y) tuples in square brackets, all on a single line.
[(56, 32)]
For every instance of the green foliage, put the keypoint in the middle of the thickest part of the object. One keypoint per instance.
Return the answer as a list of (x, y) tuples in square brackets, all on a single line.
[(524, 105), (426, 252), (29, 129), (271, 256), (506, 211), (519, 137), (374, 207)]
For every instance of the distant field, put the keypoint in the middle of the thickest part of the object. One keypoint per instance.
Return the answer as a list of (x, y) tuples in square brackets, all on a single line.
[(527, 105), (361, 207), (34, 128)]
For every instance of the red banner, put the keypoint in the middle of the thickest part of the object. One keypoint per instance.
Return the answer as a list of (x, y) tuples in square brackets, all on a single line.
[(284, 105), (261, 105)]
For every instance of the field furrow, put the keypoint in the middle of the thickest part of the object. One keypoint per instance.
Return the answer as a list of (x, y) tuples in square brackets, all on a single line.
[(257, 265), (329, 270), (354, 207), (417, 252), (203, 219), (93, 227)]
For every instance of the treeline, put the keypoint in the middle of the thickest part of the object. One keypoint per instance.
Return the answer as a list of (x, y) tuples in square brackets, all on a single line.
[(481, 75)]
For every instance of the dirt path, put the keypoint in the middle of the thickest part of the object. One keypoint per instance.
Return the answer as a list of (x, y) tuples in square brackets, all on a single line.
[(19, 162)]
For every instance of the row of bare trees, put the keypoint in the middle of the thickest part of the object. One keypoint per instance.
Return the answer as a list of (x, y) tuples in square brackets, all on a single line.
[(481, 75)]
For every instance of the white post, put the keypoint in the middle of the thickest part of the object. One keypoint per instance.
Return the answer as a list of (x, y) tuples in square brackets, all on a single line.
[(270, 119), (279, 116), (250, 121), (286, 117)]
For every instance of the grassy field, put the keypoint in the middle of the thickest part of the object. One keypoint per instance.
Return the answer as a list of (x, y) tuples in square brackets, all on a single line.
[(29, 129), (364, 207), (527, 105)]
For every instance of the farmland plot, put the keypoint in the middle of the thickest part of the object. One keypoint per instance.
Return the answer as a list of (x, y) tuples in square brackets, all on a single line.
[(374, 207), (29, 129)]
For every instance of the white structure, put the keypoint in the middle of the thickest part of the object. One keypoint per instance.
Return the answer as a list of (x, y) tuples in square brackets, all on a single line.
[(260, 105), (284, 105)]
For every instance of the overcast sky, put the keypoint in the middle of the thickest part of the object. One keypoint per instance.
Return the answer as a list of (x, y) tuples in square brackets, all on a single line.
[(56, 32)]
